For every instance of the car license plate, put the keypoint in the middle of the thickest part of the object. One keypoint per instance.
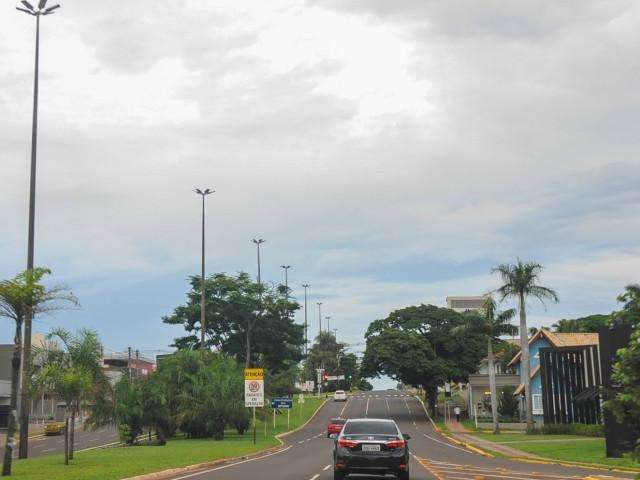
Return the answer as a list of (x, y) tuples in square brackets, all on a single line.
[(370, 448)]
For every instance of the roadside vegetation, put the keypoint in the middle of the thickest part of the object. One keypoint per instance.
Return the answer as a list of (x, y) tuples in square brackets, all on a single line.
[(122, 462)]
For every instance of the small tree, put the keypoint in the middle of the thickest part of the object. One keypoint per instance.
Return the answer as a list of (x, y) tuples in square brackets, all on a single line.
[(520, 281), (19, 296), (626, 371), (73, 372), (508, 403)]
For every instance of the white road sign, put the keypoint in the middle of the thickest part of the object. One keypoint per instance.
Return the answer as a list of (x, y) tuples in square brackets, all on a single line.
[(254, 388)]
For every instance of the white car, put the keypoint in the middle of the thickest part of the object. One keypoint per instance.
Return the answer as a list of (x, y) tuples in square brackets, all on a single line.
[(340, 396)]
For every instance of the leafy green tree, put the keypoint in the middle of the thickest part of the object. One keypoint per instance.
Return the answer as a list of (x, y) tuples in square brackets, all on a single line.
[(348, 366), (520, 281), (587, 324), (491, 324), (626, 371), (325, 353), (422, 346), (508, 402), (233, 303), (505, 351), (23, 294), (72, 370)]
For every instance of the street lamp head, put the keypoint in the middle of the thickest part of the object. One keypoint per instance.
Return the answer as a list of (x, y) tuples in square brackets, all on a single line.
[(319, 303), (258, 241), (204, 192), (286, 267), (40, 10)]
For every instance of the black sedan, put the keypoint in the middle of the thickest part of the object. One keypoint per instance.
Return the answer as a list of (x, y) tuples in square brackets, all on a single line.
[(372, 447)]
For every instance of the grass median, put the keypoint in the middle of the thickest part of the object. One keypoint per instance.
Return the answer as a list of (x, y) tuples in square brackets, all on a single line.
[(568, 448), (122, 462)]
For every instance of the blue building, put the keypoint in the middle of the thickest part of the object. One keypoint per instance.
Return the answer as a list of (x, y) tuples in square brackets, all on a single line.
[(544, 338)]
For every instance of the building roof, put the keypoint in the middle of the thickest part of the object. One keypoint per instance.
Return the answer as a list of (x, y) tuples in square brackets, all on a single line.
[(520, 389), (559, 340)]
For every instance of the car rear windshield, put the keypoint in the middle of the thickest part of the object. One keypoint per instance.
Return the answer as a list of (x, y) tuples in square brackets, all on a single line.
[(370, 428), (338, 420)]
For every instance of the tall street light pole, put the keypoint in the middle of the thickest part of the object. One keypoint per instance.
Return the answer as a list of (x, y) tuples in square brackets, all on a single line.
[(306, 324), (257, 242), (37, 12), (286, 277), (319, 317), (328, 319), (203, 322)]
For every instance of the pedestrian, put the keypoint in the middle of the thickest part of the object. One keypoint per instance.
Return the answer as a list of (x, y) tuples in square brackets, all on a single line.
[(456, 410)]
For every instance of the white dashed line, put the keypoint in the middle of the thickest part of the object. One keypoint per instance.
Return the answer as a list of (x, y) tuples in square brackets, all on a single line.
[(327, 467), (315, 476)]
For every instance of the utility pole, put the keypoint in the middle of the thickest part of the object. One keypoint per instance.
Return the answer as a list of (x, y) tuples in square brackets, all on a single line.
[(328, 319), (203, 321), (319, 317), (306, 324), (40, 10), (257, 242)]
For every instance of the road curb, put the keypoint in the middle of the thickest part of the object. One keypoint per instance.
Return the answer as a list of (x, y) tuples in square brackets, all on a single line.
[(222, 461), (466, 445)]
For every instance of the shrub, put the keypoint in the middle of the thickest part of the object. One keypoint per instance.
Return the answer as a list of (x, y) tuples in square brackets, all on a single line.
[(573, 429)]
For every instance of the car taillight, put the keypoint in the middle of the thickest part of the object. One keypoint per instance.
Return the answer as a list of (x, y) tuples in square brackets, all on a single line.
[(393, 444), (343, 442)]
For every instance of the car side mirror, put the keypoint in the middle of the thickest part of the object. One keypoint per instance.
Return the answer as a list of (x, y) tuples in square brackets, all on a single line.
[(333, 436), (406, 436)]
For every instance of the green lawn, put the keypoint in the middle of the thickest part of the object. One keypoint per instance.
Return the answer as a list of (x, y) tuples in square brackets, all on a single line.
[(122, 462), (572, 448)]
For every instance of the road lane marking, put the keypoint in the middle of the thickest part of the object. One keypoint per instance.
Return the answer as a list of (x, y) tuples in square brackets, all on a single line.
[(446, 469), (366, 410), (48, 450), (343, 408), (315, 476), (326, 468), (449, 445), (388, 409), (203, 472)]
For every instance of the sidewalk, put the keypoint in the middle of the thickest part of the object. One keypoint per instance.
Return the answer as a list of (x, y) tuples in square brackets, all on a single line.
[(459, 432)]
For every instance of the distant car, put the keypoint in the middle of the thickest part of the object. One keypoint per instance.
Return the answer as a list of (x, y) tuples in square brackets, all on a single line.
[(55, 428), (340, 396), (335, 426), (371, 447)]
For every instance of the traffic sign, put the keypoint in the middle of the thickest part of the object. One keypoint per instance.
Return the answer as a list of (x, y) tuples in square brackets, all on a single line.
[(254, 373), (282, 403), (254, 387)]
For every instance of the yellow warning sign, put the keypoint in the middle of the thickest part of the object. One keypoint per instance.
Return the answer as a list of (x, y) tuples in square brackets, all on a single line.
[(253, 373)]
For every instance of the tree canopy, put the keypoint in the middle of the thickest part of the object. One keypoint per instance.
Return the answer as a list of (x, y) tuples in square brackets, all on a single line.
[(587, 324), (423, 346), (234, 303)]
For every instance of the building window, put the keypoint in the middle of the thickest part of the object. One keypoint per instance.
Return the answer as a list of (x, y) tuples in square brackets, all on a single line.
[(537, 404)]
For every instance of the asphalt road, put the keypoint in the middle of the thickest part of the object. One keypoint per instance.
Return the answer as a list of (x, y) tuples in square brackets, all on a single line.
[(47, 445), (307, 455)]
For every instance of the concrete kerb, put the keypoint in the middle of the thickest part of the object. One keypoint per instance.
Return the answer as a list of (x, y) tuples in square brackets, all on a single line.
[(544, 461), (466, 445), (223, 461)]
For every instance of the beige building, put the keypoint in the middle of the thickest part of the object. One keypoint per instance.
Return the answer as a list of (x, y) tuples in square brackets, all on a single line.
[(465, 304)]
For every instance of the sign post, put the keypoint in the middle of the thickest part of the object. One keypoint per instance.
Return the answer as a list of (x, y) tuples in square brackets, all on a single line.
[(254, 392)]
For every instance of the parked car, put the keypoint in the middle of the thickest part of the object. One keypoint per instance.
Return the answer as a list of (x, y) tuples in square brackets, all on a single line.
[(340, 396), (371, 447), (54, 428), (335, 426)]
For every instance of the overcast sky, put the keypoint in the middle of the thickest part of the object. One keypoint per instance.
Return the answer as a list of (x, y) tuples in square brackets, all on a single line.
[(391, 151)]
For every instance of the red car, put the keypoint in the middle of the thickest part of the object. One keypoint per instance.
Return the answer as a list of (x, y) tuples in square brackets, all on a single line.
[(335, 426)]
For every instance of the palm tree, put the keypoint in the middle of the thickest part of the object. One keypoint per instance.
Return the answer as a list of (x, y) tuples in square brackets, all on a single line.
[(73, 372), (19, 296), (520, 281), (492, 324)]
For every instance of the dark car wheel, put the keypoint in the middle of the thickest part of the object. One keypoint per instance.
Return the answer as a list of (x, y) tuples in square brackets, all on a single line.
[(403, 475), (338, 475)]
